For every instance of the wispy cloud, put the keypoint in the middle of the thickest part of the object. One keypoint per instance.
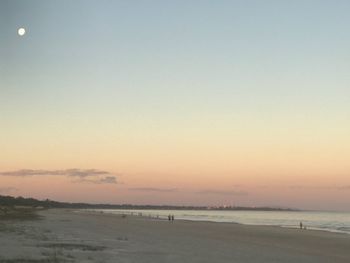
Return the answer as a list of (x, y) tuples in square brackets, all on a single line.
[(5, 190), (330, 187), (343, 188), (83, 175), (103, 180), (221, 192), (108, 180), (296, 187), (67, 172), (152, 189)]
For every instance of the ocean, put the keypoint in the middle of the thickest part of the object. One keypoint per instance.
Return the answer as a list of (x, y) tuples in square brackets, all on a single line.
[(327, 221)]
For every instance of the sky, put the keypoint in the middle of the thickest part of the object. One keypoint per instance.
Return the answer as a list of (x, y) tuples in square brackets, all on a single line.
[(176, 102)]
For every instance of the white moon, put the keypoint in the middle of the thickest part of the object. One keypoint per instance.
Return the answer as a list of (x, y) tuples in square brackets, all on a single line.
[(21, 31)]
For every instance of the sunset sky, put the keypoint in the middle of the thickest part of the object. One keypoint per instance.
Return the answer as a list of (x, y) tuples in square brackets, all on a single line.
[(176, 102)]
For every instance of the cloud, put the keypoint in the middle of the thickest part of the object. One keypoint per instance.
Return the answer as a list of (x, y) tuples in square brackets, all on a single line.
[(82, 175), (152, 189), (330, 187), (5, 190), (103, 180), (263, 186), (295, 187), (221, 192), (343, 188), (109, 180)]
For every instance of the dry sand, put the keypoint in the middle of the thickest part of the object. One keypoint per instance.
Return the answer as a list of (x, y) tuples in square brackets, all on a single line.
[(71, 236)]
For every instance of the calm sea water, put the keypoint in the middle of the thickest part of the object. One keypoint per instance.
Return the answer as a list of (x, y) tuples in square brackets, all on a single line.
[(328, 221)]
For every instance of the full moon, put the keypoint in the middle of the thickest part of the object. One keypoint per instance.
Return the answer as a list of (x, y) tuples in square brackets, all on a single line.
[(21, 31)]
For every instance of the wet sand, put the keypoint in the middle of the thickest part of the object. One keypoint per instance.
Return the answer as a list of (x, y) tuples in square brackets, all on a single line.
[(70, 236)]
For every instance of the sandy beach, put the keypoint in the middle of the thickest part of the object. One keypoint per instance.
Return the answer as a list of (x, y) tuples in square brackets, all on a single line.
[(73, 236)]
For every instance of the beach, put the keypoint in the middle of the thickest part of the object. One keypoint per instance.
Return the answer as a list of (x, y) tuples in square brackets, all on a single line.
[(63, 235)]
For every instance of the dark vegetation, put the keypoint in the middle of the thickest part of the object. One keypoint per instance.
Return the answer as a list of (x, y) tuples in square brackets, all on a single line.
[(17, 213), (9, 201)]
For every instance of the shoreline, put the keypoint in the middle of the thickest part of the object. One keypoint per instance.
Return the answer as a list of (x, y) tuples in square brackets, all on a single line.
[(309, 228), (71, 235)]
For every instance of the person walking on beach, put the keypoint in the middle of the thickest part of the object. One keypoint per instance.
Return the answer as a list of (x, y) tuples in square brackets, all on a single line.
[(169, 217), (301, 225), (172, 218)]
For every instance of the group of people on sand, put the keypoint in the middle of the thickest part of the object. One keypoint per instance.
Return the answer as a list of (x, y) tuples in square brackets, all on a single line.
[(171, 217)]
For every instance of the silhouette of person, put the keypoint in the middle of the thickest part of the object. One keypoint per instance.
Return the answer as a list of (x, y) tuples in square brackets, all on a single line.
[(172, 218), (169, 217), (301, 225)]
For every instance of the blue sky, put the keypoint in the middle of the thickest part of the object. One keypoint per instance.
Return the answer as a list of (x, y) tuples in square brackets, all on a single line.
[(141, 78)]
